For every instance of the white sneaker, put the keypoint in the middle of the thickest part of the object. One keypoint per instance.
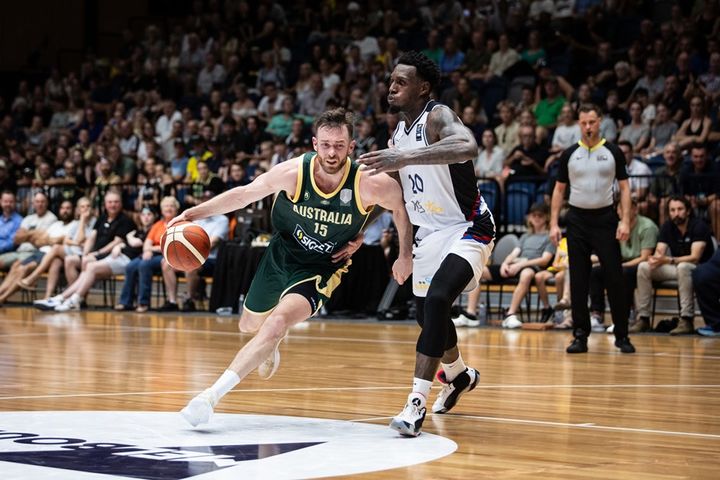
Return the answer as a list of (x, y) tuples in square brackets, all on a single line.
[(410, 420), (511, 321), (610, 329), (200, 409), (268, 368), (48, 303), (451, 391), (72, 303), (464, 321), (596, 323)]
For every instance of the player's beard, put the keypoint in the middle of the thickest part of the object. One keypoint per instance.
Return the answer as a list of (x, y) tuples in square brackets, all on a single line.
[(330, 170), (394, 109)]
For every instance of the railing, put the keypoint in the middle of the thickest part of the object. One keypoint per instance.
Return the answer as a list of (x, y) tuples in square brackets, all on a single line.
[(509, 202)]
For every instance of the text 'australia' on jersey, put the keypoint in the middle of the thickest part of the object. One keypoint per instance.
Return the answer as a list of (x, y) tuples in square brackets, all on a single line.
[(313, 225), (436, 196)]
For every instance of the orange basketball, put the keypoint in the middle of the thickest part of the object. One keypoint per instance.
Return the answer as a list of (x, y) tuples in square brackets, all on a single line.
[(185, 246)]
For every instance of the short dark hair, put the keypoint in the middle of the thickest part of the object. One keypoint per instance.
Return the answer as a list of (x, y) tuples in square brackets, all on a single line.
[(426, 69), (335, 118), (626, 143), (590, 107), (678, 198)]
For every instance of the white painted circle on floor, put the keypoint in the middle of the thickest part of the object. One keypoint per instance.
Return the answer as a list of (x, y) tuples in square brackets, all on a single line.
[(160, 445)]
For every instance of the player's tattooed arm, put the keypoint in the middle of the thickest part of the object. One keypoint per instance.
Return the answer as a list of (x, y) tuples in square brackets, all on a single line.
[(449, 142)]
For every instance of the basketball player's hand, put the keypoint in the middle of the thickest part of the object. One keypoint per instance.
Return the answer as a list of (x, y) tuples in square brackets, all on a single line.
[(402, 269), (180, 218), (555, 235), (623, 231), (348, 249), (381, 161)]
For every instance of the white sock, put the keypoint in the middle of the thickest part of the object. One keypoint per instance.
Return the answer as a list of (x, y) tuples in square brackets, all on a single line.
[(224, 384), (453, 369), (76, 298), (422, 387)]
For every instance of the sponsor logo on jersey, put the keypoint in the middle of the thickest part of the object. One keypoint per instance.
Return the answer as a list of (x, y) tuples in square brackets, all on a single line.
[(157, 445), (422, 284), (602, 158), (312, 244), (322, 215), (345, 196), (433, 208), (418, 132), (416, 206)]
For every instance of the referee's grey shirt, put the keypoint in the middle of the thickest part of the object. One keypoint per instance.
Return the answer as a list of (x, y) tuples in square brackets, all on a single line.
[(591, 173)]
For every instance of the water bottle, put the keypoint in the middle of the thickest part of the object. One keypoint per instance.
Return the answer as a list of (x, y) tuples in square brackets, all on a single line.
[(482, 314)]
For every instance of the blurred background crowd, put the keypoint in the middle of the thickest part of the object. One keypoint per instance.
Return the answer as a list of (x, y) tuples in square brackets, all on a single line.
[(195, 103)]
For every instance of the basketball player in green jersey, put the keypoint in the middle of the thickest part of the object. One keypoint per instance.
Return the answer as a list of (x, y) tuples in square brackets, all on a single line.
[(322, 205)]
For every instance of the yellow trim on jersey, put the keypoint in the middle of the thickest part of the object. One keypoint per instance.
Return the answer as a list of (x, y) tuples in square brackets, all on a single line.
[(358, 200), (598, 145), (298, 183), (340, 185), (316, 279), (265, 313)]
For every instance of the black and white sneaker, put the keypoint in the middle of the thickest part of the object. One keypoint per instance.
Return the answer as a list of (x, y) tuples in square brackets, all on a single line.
[(451, 391), (410, 420)]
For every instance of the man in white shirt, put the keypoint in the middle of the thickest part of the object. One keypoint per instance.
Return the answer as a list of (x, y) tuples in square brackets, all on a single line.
[(640, 174), (31, 229), (164, 124), (43, 239), (504, 58), (211, 75)]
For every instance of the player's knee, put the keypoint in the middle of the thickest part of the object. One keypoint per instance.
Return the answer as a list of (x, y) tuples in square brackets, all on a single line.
[(247, 326), (437, 299), (276, 327), (249, 323)]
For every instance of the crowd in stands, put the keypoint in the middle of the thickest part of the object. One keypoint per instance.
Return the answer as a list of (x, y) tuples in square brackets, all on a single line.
[(196, 104)]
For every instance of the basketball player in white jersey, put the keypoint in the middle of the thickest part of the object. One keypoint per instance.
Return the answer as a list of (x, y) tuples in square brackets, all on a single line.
[(433, 152)]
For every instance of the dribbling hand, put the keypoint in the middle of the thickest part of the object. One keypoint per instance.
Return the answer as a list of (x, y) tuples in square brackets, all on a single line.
[(180, 218)]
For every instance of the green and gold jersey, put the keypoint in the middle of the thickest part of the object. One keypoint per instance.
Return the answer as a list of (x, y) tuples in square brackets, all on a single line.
[(313, 225)]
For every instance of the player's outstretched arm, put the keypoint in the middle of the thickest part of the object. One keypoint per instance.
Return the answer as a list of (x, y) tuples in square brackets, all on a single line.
[(282, 177), (386, 192), (449, 142)]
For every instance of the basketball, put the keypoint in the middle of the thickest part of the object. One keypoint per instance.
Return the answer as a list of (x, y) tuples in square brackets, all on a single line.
[(185, 246)]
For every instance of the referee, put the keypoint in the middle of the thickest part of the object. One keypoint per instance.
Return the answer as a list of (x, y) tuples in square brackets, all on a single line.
[(590, 169)]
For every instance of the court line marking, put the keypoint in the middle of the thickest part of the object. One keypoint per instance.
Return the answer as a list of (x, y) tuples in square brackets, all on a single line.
[(586, 426), (312, 389), (377, 341)]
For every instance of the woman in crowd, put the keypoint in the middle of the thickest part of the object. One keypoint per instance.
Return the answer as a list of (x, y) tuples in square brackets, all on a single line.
[(140, 270)]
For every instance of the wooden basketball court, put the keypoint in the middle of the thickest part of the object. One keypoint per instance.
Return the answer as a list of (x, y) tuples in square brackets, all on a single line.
[(537, 412)]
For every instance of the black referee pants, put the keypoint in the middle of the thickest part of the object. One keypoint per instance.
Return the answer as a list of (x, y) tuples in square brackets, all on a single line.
[(591, 231)]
